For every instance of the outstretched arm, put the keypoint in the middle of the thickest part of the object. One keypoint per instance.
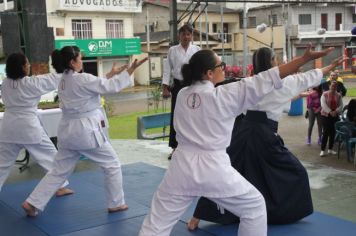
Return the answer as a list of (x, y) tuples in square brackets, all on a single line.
[(336, 62), (116, 69), (293, 66), (136, 64)]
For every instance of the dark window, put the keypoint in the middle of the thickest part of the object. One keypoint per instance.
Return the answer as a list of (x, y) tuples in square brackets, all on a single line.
[(305, 19), (324, 21), (338, 21), (252, 22)]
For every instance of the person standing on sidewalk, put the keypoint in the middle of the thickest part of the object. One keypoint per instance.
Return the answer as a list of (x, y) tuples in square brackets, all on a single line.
[(176, 57), (314, 108), (331, 106)]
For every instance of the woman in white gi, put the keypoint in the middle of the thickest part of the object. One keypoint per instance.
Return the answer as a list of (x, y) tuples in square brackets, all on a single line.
[(21, 126), (80, 131), (204, 119), (271, 167)]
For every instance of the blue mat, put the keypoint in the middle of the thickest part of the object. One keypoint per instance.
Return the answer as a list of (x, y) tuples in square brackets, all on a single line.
[(84, 213)]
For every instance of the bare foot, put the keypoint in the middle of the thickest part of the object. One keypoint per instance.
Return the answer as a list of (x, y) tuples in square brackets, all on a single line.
[(30, 210), (193, 223), (123, 207), (63, 192)]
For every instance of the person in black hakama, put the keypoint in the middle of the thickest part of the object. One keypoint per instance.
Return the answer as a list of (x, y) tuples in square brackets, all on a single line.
[(258, 153)]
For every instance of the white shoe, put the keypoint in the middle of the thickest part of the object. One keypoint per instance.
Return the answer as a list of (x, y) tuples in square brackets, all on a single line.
[(332, 152), (322, 153)]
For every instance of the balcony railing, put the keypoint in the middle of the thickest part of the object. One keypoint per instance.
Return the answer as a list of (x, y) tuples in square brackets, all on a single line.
[(224, 37)]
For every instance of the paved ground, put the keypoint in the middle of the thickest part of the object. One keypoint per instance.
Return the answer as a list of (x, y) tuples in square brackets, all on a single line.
[(332, 180)]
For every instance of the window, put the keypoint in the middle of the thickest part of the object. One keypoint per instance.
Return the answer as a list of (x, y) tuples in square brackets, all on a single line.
[(241, 19), (324, 21), (338, 21), (81, 29), (305, 19), (273, 19), (114, 29), (252, 22), (215, 28)]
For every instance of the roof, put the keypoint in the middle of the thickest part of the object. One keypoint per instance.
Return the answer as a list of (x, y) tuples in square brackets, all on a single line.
[(183, 6)]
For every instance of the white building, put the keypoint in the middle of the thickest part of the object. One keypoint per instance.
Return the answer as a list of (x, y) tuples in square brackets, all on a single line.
[(103, 29)]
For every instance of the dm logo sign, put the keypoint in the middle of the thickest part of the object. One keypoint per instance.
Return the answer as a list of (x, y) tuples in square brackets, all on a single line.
[(93, 46)]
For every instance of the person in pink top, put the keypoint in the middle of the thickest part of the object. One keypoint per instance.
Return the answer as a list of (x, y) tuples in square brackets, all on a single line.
[(314, 108)]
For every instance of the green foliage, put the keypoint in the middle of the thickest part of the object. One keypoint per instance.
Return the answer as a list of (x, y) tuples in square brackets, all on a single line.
[(156, 96)]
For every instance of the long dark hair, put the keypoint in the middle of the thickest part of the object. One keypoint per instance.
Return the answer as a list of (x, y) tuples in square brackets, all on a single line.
[(61, 58), (262, 60), (198, 65), (14, 66), (351, 110)]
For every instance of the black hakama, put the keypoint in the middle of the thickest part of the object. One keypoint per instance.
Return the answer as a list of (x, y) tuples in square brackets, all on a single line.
[(259, 154)]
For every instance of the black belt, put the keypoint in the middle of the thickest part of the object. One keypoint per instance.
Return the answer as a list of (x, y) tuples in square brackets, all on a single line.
[(177, 82), (261, 117)]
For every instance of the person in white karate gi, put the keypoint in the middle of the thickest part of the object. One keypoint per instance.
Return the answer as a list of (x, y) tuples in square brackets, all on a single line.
[(172, 80), (271, 166), (21, 127), (80, 130), (200, 166)]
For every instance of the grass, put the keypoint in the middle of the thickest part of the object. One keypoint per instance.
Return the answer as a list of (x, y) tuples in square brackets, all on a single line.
[(351, 92), (125, 126)]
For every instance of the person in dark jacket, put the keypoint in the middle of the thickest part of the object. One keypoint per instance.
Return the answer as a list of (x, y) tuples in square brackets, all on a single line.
[(340, 88)]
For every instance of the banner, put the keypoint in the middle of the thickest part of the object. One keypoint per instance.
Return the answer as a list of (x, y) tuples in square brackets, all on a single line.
[(101, 5), (104, 47)]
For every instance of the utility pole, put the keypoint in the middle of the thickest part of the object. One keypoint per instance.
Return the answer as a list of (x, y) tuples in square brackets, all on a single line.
[(173, 22), (245, 39), (148, 30), (23, 24), (222, 30)]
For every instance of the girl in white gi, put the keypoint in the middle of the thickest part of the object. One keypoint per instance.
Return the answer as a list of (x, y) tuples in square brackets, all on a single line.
[(204, 119), (21, 126), (271, 166), (80, 131)]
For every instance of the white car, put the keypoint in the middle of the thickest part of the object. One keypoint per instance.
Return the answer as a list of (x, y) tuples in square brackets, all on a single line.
[(50, 97)]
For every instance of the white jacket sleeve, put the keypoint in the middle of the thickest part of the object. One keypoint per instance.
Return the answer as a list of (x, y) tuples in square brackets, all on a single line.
[(167, 69), (234, 98), (106, 86), (42, 84)]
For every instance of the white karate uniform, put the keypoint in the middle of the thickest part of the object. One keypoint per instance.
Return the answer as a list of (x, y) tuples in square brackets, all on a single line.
[(21, 126), (177, 56), (279, 100), (80, 132), (200, 166)]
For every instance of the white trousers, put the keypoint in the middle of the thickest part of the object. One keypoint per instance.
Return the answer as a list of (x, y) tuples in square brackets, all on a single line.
[(166, 210), (64, 164), (43, 153)]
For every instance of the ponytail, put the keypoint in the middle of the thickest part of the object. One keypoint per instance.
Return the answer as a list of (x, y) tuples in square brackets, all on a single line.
[(262, 60), (187, 74), (61, 59), (198, 65), (57, 63)]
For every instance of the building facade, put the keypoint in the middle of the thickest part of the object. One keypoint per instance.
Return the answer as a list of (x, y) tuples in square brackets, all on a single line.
[(102, 29)]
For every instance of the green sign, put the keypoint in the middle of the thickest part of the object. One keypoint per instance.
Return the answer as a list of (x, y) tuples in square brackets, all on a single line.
[(103, 47)]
